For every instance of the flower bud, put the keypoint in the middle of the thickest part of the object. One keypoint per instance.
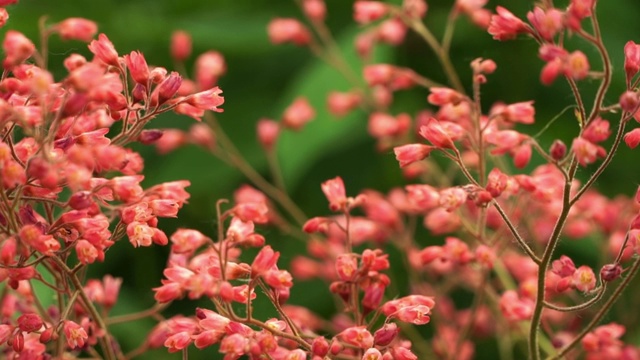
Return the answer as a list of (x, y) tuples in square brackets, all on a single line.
[(288, 30), (80, 200), (629, 101), (315, 10), (632, 138), (149, 136), (77, 29), (385, 335), (169, 87), (30, 322), (202, 135), (268, 131), (558, 150), (320, 347), (180, 45), (47, 335), (610, 272)]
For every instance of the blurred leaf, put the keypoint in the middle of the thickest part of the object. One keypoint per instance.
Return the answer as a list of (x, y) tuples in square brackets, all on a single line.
[(298, 152)]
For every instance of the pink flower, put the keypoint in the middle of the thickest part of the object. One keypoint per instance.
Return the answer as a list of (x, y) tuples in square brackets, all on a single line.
[(505, 25), (631, 59), (288, 30), (341, 104), (140, 234), (444, 96), (515, 308), (365, 12), (17, 48), (584, 279), (180, 45), (410, 153), (209, 67), (268, 131), (169, 87), (207, 100), (138, 67), (521, 112), (264, 261), (436, 134), (372, 354), (597, 131), (77, 29), (632, 138), (75, 334), (547, 23), (4, 17), (178, 341), (86, 252), (391, 31), (357, 336), (316, 10), (30, 322), (416, 314), (586, 152), (551, 71), (104, 50), (346, 267), (335, 192), (576, 65), (298, 114)]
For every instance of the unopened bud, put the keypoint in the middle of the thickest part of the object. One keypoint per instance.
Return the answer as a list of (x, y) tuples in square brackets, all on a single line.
[(46, 335), (385, 335), (629, 101), (30, 322), (558, 150), (169, 87), (17, 342), (80, 200), (336, 347), (150, 136), (320, 347), (202, 135), (180, 45), (139, 93), (610, 272), (268, 131)]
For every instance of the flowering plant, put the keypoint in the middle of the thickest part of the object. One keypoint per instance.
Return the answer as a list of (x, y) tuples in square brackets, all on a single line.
[(480, 215)]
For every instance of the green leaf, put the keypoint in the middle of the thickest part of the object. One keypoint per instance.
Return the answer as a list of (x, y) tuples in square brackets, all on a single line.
[(298, 152)]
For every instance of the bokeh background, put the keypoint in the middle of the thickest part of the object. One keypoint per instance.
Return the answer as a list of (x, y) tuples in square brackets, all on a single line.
[(263, 79)]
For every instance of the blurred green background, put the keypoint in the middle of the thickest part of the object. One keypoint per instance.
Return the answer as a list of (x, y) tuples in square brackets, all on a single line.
[(263, 79)]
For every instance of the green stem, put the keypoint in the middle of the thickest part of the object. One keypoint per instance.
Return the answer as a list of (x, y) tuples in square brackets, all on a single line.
[(601, 313), (534, 350)]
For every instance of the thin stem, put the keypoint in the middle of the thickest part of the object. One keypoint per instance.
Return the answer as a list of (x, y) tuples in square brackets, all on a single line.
[(449, 29), (601, 313), (606, 62), (88, 306), (550, 122), (578, 307), (477, 301), (579, 102), (604, 164), (534, 350), (274, 167), (70, 303), (465, 171), (257, 179), (136, 316), (523, 244), (442, 55)]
